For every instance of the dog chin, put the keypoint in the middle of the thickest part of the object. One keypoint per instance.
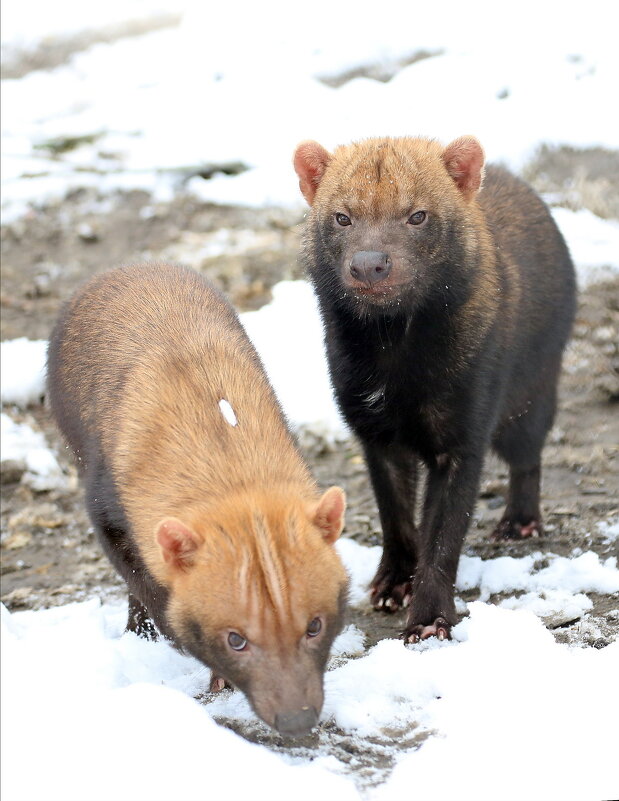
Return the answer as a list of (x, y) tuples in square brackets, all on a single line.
[(380, 298)]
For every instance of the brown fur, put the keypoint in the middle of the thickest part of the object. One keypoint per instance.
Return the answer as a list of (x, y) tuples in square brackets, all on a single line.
[(230, 531)]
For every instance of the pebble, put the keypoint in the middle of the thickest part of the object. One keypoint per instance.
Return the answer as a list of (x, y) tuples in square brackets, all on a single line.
[(87, 233), (11, 471)]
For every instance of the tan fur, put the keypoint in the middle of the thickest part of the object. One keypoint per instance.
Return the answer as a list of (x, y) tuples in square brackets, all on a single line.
[(277, 567), (226, 517)]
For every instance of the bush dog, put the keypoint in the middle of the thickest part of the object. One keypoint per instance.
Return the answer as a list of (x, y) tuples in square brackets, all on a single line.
[(195, 487), (446, 309)]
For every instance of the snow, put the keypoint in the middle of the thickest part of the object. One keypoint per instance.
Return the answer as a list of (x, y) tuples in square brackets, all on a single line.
[(22, 370), (593, 243), (501, 712), (288, 335), (20, 443), (503, 699), (583, 573), (112, 717), (210, 91), (610, 528)]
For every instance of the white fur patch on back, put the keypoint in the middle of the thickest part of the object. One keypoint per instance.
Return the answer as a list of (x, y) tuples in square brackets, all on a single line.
[(228, 412)]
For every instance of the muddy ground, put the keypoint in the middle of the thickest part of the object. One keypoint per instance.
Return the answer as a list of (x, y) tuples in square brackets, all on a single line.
[(49, 553)]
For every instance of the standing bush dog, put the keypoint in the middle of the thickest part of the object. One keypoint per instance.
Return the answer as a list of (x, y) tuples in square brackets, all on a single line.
[(446, 310), (195, 486)]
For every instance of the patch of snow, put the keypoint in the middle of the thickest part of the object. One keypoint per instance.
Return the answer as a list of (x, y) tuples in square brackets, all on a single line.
[(234, 102), (610, 529), (288, 335), (583, 573), (361, 563), (593, 244), (551, 603), (22, 370), (506, 690), (501, 687), (85, 705), (20, 443)]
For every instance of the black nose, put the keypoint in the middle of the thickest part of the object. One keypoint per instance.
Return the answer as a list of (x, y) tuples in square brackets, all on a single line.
[(294, 724), (370, 266)]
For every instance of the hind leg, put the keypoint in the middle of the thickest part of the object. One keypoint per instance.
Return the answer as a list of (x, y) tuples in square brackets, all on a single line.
[(519, 442), (522, 517)]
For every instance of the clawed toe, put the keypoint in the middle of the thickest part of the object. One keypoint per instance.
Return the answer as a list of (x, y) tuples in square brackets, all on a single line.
[(512, 530), (440, 629), (391, 599), (218, 684)]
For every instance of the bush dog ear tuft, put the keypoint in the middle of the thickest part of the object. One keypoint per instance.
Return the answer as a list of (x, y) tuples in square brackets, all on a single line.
[(310, 162), (464, 161)]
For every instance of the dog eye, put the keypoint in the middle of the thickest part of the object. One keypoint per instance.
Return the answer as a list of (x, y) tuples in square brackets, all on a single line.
[(417, 218), (236, 642), (343, 219), (314, 627)]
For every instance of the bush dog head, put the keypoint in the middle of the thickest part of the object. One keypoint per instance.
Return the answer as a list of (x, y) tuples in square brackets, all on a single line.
[(387, 209), (269, 628)]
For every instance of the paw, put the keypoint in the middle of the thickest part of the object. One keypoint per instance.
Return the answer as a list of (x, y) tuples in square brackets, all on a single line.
[(388, 594), (440, 629), (392, 599), (514, 530), (218, 683)]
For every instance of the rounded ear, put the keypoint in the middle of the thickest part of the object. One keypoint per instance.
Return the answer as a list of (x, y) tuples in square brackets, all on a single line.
[(310, 162), (178, 542), (464, 161), (328, 514)]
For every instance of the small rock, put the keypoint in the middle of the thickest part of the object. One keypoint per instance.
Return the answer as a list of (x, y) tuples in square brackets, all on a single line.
[(66, 589), (17, 540), (44, 515), (491, 488), (11, 471), (17, 596), (42, 285), (495, 502), (87, 233)]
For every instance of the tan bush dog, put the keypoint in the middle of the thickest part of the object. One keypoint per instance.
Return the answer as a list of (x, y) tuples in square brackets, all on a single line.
[(195, 486), (446, 310)]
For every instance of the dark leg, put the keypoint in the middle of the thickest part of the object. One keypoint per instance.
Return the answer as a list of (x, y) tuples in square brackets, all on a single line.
[(393, 472), (138, 620), (519, 442), (450, 498), (522, 516)]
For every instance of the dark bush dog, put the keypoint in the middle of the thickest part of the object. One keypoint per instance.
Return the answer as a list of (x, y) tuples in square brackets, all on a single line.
[(446, 310), (196, 488)]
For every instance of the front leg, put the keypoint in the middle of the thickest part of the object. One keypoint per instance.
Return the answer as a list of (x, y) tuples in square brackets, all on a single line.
[(451, 492), (139, 621), (393, 471)]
